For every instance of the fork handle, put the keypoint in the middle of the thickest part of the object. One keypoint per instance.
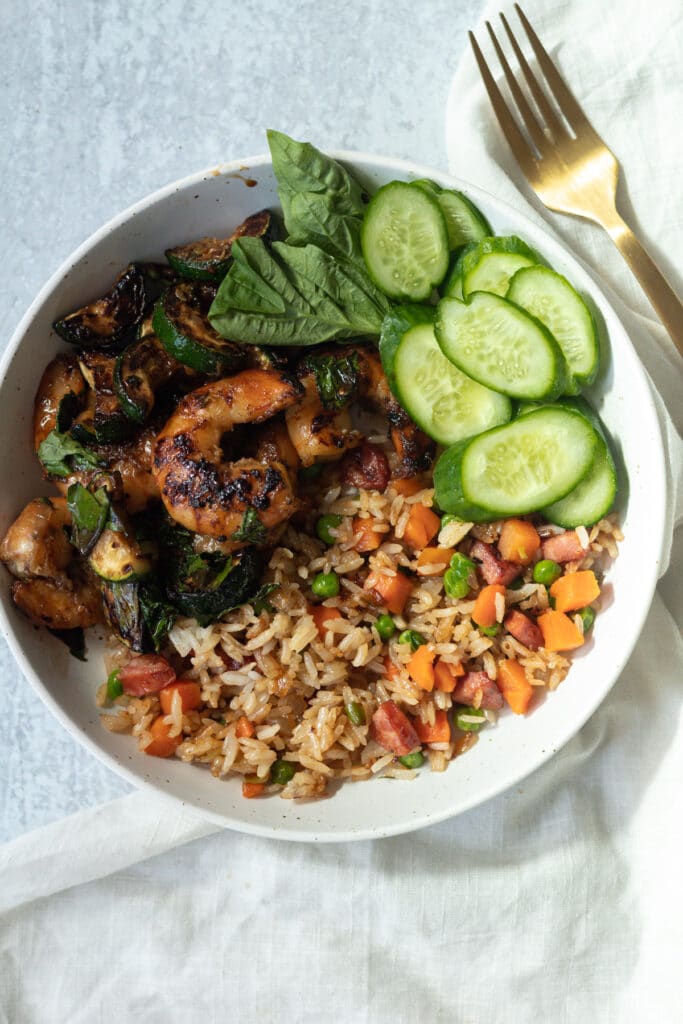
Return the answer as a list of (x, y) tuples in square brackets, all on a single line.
[(666, 303)]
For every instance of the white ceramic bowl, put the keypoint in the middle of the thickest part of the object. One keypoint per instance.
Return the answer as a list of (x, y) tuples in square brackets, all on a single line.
[(208, 204)]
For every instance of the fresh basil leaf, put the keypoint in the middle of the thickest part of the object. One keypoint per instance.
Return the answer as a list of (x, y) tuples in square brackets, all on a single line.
[(288, 295), (306, 176), (74, 640), (251, 530), (336, 377), (89, 516), (317, 222), (60, 455), (259, 602), (158, 613), (394, 326)]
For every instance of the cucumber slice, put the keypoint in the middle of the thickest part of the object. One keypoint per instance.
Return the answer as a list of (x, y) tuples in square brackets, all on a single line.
[(489, 267), (447, 404), (552, 300), (394, 326), (501, 346), (593, 498), (518, 468), (452, 286), (464, 222), (405, 241), (181, 323)]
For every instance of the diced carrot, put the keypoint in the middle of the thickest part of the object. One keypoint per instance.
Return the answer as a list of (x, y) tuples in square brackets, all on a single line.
[(559, 632), (421, 667), (440, 732), (190, 696), (422, 526), (435, 556), (163, 744), (244, 728), (484, 611), (575, 590), (446, 676), (392, 591), (514, 685), (367, 538), (321, 615), (518, 541), (252, 789), (409, 486), (390, 670)]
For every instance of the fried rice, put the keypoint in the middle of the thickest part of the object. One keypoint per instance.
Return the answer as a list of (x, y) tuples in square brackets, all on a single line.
[(293, 683)]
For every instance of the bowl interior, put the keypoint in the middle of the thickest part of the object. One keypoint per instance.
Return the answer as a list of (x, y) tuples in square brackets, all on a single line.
[(214, 202)]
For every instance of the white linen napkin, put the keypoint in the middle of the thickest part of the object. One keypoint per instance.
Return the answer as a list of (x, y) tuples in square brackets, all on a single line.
[(559, 900)]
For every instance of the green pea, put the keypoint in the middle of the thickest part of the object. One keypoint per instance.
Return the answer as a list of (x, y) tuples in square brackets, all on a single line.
[(355, 712), (385, 626), (587, 617), (281, 772), (412, 637), (311, 472), (448, 519), (414, 760), (114, 685), (464, 719), (490, 630), (325, 584), (324, 525), (546, 571), (456, 577)]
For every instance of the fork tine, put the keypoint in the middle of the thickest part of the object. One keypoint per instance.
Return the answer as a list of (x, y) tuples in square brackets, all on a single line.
[(532, 125), (551, 119), (516, 140), (565, 99)]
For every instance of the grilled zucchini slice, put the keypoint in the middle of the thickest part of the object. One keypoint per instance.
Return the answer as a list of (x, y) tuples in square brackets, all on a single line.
[(140, 371), (209, 259), (181, 323), (106, 321), (103, 420)]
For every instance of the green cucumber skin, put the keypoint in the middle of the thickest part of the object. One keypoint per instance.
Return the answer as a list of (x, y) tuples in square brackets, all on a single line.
[(188, 351), (448, 493), (526, 508), (576, 508), (373, 212), (394, 326), (450, 475), (580, 507), (577, 380), (560, 373), (411, 391), (477, 217)]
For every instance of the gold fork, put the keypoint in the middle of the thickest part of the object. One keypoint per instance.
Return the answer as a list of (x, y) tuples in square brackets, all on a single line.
[(568, 165)]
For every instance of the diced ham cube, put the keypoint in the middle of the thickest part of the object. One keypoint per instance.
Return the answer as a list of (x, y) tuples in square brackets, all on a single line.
[(523, 629), (392, 729), (148, 673), (564, 547), (477, 690), (493, 569)]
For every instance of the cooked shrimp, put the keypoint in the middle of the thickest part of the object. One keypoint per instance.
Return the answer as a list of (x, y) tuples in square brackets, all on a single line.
[(200, 488), (319, 434), (325, 435), (52, 588), (62, 377)]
